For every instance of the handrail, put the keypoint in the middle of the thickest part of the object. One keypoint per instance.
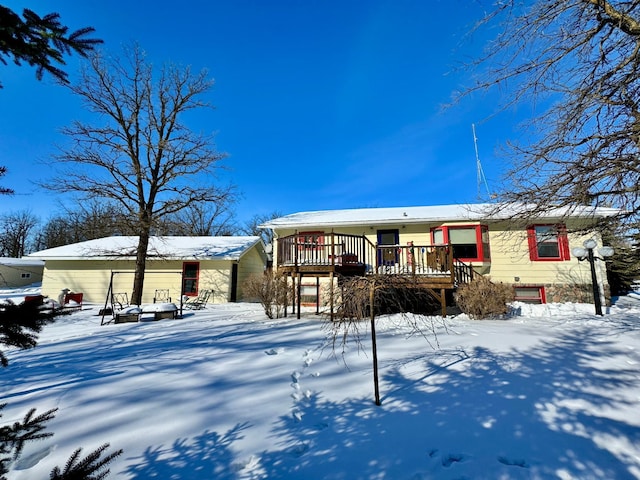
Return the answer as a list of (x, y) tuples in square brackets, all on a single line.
[(463, 272), (435, 260), (323, 249), (340, 249)]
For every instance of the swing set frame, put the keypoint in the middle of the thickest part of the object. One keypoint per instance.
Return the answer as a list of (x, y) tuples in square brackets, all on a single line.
[(108, 302)]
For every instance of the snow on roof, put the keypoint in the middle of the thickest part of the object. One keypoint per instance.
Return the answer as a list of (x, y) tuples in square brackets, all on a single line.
[(435, 213), (21, 262), (213, 248)]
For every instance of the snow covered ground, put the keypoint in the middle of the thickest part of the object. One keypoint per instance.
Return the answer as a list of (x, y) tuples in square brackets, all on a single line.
[(226, 393)]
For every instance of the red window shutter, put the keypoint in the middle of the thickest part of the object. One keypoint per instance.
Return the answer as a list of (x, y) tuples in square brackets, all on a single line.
[(533, 248), (563, 239)]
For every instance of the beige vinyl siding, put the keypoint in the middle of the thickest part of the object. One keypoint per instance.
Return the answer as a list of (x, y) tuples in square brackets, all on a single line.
[(216, 276), (92, 277), (12, 275), (510, 260), (89, 277), (252, 263)]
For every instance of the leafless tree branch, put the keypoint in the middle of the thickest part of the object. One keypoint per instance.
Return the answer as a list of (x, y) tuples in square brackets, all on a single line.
[(578, 62), (136, 153)]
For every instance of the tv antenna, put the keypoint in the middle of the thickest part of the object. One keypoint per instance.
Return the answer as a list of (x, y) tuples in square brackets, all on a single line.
[(482, 180)]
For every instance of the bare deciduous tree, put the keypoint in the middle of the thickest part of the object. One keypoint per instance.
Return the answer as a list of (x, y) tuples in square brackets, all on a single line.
[(203, 219), (81, 222), (16, 231), (138, 154), (252, 226), (578, 62)]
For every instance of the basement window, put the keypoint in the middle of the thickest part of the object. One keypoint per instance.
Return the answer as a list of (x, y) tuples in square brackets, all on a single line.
[(308, 294), (529, 294)]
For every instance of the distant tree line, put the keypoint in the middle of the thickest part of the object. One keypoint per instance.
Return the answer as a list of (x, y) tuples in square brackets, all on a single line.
[(23, 232)]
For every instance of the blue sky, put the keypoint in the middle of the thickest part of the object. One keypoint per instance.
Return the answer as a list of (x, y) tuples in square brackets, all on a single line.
[(319, 104)]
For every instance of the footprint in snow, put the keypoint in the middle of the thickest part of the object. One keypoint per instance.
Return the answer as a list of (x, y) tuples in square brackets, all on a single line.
[(274, 351), (299, 450), (452, 458), (513, 462)]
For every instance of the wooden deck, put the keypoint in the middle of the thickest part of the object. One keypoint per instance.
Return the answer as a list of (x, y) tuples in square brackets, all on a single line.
[(431, 267), (349, 255)]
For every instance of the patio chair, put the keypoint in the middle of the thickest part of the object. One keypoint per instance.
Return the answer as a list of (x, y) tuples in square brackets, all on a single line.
[(199, 302), (119, 300), (40, 302), (162, 296), (73, 301), (34, 299)]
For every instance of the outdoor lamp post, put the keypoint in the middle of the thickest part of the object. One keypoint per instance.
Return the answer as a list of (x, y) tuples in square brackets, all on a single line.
[(587, 253)]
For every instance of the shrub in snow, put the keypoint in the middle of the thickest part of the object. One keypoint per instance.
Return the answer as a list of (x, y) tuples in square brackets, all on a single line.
[(481, 298), (270, 289)]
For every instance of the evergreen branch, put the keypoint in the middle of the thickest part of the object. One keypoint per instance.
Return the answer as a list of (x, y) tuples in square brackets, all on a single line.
[(41, 42), (91, 467), (13, 437)]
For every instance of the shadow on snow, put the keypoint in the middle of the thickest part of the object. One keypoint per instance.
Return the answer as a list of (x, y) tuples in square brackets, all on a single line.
[(549, 412)]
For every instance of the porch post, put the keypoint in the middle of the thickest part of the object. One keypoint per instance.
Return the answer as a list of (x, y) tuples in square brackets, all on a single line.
[(293, 294), (331, 293), (333, 249), (317, 295), (286, 290), (299, 292)]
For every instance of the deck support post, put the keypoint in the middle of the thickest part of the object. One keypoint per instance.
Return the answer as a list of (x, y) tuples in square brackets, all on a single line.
[(293, 294), (331, 294), (317, 295), (286, 298), (299, 294)]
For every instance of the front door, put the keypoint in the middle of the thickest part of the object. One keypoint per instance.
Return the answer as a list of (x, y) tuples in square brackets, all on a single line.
[(388, 255)]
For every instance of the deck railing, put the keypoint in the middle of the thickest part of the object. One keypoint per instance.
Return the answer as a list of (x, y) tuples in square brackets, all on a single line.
[(343, 250), (327, 249)]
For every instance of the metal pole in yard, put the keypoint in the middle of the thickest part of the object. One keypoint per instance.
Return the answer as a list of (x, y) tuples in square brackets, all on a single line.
[(374, 347)]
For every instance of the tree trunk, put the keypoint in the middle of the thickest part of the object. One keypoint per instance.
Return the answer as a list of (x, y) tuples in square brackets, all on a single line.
[(141, 261)]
